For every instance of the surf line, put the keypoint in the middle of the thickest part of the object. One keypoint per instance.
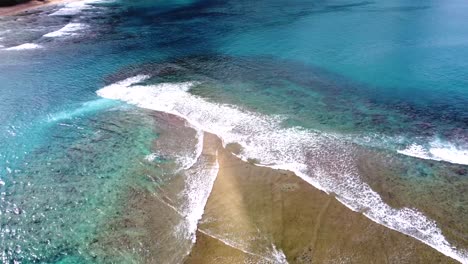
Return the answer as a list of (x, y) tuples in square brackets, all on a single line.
[(175, 99)]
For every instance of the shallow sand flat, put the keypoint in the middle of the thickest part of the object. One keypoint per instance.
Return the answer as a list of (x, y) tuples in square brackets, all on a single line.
[(253, 215), (152, 226), (252, 208), (441, 195), (211, 250)]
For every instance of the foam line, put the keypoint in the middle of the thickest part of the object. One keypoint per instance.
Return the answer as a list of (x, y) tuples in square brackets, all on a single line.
[(277, 257), (199, 182), (322, 160), (75, 7), (188, 162), (25, 46), (68, 30), (439, 151)]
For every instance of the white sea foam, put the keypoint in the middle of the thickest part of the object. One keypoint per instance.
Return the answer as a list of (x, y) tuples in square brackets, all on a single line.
[(72, 8), (199, 181), (438, 150), (276, 256), (189, 160), (151, 157), (26, 46), (70, 29), (319, 159), (75, 7), (279, 256), (123, 84)]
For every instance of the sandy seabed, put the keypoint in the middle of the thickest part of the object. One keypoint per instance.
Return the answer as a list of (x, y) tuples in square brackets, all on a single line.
[(255, 214)]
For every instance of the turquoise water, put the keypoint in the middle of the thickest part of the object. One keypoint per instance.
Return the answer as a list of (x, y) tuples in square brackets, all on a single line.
[(382, 86)]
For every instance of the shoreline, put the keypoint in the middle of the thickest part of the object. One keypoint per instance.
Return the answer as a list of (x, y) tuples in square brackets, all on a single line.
[(261, 205), (253, 214), (261, 213), (405, 220), (29, 6)]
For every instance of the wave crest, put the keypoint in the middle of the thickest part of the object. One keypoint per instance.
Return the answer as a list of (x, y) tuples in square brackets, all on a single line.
[(439, 151), (68, 30), (25, 46)]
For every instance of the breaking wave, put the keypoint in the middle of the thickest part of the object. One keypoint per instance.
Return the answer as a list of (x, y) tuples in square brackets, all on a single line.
[(68, 30), (26, 46), (76, 7), (439, 151), (323, 160)]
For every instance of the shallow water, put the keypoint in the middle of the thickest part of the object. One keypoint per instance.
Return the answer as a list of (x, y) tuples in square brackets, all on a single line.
[(366, 100)]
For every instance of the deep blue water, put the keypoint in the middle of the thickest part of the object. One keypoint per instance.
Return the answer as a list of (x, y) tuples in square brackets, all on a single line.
[(384, 76)]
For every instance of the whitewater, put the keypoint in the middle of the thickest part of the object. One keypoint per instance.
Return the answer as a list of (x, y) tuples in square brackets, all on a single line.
[(263, 138)]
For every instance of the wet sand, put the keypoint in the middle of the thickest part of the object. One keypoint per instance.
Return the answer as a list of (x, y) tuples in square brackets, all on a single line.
[(152, 225), (25, 7), (442, 195), (252, 210), (254, 214)]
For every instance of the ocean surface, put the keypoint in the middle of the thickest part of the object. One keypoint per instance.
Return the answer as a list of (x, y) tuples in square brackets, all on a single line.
[(366, 100)]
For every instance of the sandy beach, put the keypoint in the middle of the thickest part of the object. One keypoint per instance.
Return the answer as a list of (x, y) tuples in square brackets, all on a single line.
[(26, 7)]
